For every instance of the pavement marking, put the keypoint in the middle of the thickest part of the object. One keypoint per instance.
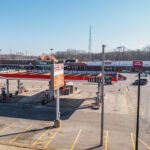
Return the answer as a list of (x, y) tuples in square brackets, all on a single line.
[(76, 140), (132, 141), (46, 138), (42, 142), (7, 127), (28, 146), (106, 140), (20, 134), (41, 137), (51, 138), (147, 146), (141, 110)]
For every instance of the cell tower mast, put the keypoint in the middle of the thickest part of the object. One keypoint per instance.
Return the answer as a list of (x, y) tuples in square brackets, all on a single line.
[(90, 49)]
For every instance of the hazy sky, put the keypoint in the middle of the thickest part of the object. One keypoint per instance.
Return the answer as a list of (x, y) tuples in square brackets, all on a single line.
[(37, 25)]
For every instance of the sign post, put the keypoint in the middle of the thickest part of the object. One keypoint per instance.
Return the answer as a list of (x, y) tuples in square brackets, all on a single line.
[(57, 106), (57, 81)]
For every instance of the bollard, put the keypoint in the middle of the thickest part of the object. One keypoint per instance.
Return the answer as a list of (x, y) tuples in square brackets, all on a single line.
[(57, 123)]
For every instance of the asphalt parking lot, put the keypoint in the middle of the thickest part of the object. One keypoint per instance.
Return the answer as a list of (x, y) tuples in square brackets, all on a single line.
[(31, 126)]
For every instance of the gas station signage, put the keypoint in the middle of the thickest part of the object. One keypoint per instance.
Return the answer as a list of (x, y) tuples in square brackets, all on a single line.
[(57, 76)]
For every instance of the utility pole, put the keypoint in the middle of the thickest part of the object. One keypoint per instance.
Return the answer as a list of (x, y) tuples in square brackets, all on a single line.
[(119, 48), (102, 94), (138, 108)]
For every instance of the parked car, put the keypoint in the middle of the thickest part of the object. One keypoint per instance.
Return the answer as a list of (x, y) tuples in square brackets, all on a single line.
[(142, 82), (126, 71), (145, 80), (143, 75), (121, 77), (147, 71)]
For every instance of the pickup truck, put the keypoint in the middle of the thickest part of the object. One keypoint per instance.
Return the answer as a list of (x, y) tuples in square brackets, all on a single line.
[(121, 77)]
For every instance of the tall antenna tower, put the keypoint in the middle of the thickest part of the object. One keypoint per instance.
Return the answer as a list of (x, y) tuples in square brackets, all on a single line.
[(90, 49)]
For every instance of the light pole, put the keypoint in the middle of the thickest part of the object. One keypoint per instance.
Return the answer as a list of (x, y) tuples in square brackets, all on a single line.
[(51, 55), (102, 94), (138, 114), (119, 48)]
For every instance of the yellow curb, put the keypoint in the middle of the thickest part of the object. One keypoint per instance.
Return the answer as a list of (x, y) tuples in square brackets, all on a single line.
[(28, 146)]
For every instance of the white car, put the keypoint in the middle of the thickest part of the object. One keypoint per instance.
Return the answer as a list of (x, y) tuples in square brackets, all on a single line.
[(147, 71), (143, 75)]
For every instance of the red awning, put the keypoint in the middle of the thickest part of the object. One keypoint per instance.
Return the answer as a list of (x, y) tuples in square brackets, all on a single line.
[(40, 76)]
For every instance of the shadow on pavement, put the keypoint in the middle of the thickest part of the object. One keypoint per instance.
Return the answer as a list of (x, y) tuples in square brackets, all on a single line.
[(36, 111), (94, 148), (29, 131)]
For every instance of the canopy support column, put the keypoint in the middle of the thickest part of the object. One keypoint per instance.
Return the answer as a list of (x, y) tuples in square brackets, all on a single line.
[(57, 106), (18, 86), (7, 86)]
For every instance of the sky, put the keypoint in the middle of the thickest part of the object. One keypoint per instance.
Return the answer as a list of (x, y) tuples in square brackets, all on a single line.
[(36, 26)]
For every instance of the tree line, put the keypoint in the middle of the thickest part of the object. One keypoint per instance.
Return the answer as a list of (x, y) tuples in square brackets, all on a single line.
[(122, 54)]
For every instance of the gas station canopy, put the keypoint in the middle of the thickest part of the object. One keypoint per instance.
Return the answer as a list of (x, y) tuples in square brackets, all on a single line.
[(27, 75)]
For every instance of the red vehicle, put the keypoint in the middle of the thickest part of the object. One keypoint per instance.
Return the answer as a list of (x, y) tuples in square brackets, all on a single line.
[(121, 77)]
